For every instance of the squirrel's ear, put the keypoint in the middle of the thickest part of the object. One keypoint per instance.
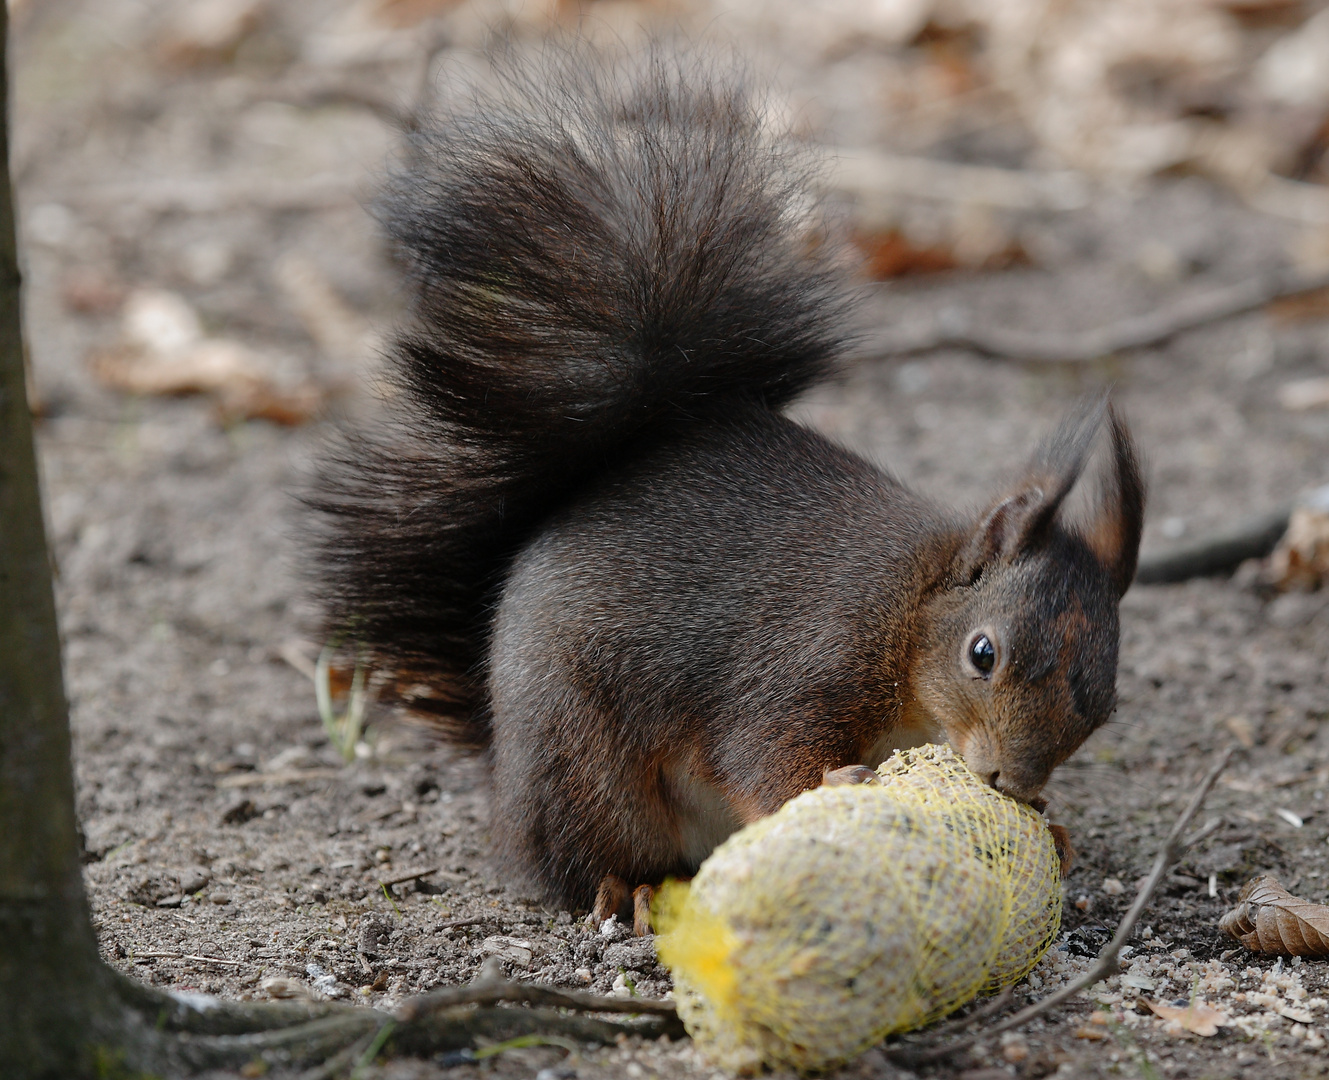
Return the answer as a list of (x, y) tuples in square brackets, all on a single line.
[(1114, 533), (1020, 520)]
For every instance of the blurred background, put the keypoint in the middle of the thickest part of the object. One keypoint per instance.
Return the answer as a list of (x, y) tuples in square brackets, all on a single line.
[(194, 175)]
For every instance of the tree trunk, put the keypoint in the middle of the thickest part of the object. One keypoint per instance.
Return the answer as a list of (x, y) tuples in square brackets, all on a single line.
[(51, 981)]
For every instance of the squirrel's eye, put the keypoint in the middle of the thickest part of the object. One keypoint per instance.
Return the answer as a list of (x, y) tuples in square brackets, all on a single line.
[(982, 655)]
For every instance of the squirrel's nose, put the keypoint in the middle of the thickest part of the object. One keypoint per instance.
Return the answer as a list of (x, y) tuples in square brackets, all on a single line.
[(1009, 785)]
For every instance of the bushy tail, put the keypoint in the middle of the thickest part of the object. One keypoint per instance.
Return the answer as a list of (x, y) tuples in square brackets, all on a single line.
[(597, 250)]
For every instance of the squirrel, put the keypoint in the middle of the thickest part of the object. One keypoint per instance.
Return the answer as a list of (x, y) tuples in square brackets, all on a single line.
[(593, 546)]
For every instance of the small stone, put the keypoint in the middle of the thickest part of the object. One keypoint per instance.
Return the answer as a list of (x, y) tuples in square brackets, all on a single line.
[(613, 930), (279, 986), (172, 901), (194, 881), (373, 932), (1014, 1047), (1113, 887), (516, 950), (240, 811)]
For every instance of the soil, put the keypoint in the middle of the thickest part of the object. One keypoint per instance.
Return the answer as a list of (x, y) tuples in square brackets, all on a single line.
[(230, 850)]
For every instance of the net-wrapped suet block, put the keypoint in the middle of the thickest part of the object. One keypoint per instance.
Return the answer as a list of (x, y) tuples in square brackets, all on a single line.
[(856, 912)]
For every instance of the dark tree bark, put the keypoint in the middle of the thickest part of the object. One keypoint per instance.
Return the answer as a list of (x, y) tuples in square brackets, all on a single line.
[(50, 977)]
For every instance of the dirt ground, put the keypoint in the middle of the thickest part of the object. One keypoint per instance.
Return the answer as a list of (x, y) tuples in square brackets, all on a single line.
[(230, 851)]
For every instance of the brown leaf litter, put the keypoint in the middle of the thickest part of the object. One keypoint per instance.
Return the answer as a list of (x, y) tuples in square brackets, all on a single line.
[(1269, 919), (1195, 1016)]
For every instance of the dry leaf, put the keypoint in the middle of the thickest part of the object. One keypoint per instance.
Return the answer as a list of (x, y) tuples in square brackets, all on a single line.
[(164, 351), (1270, 919), (209, 31), (978, 241), (1242, 729), (1301, 559), (891, 254), (1195, 1017)]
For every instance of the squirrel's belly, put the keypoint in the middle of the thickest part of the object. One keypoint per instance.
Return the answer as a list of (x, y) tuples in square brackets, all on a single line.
[(903, 736), (704, 819)]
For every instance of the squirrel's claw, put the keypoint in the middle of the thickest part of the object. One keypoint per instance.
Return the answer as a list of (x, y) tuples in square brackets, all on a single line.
[(642, 896), (611, 898), (849, 774), (1061, 840)]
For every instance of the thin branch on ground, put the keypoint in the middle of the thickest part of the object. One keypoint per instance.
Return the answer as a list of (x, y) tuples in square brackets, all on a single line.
[(431, 46), (493, 993), (313, 91), (187, 956), (956, 329), (1107, 962), (494, 919), (1294, 200), (216, 194), (989, 1008), (191, 1034), (1217, 553), (872, 177)]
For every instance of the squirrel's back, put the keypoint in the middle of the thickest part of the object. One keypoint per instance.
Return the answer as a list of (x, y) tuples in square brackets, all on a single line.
[(599, 250)]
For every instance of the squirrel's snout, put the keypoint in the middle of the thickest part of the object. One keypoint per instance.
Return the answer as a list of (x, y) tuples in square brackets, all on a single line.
[(1024, 792), (986, 764)]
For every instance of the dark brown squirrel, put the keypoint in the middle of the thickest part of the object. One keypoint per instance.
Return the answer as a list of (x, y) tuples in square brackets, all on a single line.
[(605, 557)]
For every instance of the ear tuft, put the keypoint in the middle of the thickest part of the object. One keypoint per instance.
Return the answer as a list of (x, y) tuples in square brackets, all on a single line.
[(1114, 533), (1020, 520)]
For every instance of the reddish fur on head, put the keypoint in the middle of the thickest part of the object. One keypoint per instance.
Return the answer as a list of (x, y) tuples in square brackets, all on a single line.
[(1045, 593)]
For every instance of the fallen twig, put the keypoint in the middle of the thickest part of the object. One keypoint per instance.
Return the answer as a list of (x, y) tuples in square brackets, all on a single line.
[(279, 776), (988, 1008), (955, 330), (217, 194), (186, 956), (1291, 199), (871, 176), (401, 879), (313, 91), (1106, 964), (484, 920), (512, 993), (331, 1037), (1217, 553)]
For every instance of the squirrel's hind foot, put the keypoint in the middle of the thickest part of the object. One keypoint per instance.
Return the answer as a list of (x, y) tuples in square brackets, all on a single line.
[(612, 898)]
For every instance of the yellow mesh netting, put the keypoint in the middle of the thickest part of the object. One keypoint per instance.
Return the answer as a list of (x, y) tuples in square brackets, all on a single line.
[(855, 912)]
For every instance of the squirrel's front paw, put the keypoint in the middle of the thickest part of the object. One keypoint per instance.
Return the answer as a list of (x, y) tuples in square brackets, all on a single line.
[(1061, 840), (849, 774)]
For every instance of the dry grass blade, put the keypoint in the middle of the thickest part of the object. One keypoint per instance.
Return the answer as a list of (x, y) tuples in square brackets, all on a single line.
[(1106, 965), (1269, 919)]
